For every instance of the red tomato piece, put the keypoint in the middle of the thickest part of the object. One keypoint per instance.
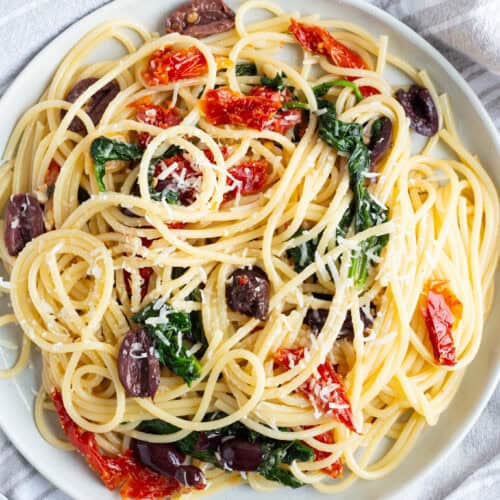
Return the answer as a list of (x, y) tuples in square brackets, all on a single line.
[(122, 470), (171, 65), (324, 389), (284, 119), (154, 114), (176, 225), (456, 308), (224, 106), (321, 42), (145, 273), (224, 151), (441, 312), (247, 178), (52, 173), (181, 178), (334, 470)]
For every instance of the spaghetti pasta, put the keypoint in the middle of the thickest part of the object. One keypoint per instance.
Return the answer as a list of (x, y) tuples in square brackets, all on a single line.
[(154, 210)]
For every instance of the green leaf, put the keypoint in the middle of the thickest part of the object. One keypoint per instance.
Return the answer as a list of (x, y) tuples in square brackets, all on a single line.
[(323, 88), (282, 476), (283, 452), (157, 426), (275, 83), (364, 211), (294, 105), (169, 329), (246, 69), (303, 254), (104, 149)]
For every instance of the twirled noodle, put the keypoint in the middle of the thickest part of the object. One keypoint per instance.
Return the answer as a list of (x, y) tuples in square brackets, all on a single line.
[(70, 296)]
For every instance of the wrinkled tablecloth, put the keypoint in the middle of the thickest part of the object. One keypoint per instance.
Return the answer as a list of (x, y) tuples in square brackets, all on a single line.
[(465, 31)]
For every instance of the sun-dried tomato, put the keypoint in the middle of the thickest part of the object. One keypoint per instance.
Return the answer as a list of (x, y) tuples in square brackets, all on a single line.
[(121, 471), (171, 65), (224, 106), (320, 41), (334, 470), (154, 114), (324, 389), (224, 151), (52, 173), (284, 119), (441, 312), (247, 178), (145, 273)]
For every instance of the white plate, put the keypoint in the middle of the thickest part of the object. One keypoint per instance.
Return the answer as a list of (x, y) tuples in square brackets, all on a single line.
[(67, 470)]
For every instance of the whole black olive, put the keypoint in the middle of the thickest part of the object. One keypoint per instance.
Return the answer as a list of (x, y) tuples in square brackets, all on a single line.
[(95, 106), (23, 222), (189, 475), (138, 365), (238, 454), (315, 319), (420, 108), (200, 18), (248, 292), (163, 458)]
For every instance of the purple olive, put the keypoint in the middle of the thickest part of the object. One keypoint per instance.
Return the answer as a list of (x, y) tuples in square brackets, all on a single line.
[(380, 139), (163, 458), (95, 106), (248, 292), (23, 222), (138, 365), (238, 454), (420, 108), (200, 18), (315, 319), (189, 475)]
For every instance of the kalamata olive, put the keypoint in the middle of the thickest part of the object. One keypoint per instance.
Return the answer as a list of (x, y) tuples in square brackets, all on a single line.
[(138, 365), (163, 458), (238, 454), (380, 139), (248, 291), (200, 18), (420, 108), (95, 106), (23, 222), (315, 319), (189, 475), (83, 195)]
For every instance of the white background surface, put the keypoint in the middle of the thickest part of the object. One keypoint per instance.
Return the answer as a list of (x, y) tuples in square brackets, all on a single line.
[(473, 469)]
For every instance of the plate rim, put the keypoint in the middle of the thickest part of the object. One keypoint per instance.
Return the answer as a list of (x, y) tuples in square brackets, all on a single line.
[(71, 34)]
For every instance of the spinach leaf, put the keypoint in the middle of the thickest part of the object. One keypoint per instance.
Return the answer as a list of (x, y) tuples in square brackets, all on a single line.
[(197, 331), (283, 452), (365, 211), (323, 88), (169, 328), (246, 69), (156, 426), (294, 105), (104, 149), (276, 83), (303, 254)]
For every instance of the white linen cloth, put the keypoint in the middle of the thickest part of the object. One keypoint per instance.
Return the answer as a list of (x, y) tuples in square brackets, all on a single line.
[(466, 32)]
